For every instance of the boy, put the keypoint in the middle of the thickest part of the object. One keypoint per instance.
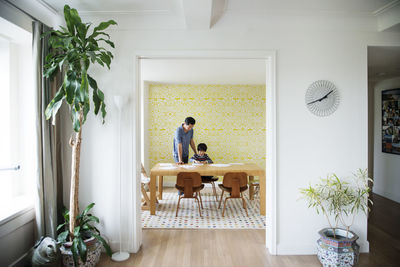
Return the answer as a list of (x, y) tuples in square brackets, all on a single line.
[(201, 157)]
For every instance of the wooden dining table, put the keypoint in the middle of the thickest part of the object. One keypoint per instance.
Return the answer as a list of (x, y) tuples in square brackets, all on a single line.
[(171, 169)]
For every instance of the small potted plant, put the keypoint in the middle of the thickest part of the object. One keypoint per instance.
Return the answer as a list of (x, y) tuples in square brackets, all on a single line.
[(83, 248), (343, 199)]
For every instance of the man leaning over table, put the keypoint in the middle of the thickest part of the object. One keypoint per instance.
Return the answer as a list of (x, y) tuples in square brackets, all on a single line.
[(182, 139)]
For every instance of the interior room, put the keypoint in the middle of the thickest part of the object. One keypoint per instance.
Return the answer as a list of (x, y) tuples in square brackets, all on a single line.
[(227, 99), (301, 97)]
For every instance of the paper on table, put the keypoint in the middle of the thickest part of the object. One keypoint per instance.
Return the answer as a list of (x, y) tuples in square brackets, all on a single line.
[(168, 167), (187, 166), (236, 163), (220, 165), (166, 164)]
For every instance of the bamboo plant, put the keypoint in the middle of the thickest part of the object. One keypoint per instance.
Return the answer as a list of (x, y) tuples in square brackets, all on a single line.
[(340, 198), (73, 49)]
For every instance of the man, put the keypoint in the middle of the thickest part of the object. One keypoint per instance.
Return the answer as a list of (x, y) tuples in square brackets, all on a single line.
[(184, 137)]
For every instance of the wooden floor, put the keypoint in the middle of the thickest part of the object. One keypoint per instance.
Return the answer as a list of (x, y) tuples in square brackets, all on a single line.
[(247, 247)]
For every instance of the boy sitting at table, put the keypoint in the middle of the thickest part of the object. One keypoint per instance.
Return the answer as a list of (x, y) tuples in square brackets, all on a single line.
[(202, 158)]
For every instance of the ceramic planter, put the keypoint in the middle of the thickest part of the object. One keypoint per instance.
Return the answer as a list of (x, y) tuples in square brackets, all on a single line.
[(93, 253), (342, 251)]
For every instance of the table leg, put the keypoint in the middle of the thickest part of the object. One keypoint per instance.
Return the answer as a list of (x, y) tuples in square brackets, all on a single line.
[(262, 194), (251, 188), (160, 187), (153, 194)]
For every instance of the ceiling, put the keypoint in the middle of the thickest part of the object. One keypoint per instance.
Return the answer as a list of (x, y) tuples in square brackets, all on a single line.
[(204, 14), (204, 71), (383, 62), (148, 6)]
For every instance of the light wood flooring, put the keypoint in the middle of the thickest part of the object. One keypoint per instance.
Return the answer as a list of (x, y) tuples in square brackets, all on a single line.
[(247, 247)]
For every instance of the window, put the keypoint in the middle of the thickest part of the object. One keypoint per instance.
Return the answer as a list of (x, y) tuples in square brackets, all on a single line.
[(17, 120)]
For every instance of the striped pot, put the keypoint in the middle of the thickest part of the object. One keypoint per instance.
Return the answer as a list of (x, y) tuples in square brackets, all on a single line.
[(341, 251)]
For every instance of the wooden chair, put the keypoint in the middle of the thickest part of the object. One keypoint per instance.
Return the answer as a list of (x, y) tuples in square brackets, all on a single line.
[(255, 186), (235, 183), (145, 180), (210, 180), (190, 184)]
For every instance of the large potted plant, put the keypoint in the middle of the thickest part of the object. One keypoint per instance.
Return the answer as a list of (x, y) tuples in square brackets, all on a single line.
[(73, 49), (341, 199)]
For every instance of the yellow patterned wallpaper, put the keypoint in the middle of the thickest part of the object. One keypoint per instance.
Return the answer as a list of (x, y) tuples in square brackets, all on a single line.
[(230, 119)]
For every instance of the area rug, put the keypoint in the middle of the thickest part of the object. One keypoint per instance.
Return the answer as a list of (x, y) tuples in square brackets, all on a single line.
[(188, 216)]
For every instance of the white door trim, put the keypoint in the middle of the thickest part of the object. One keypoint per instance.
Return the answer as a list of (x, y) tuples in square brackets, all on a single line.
[(271, 171)]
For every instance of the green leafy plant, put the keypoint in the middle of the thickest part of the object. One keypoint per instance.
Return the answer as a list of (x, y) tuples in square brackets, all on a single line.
[(340, 198), (84, 229), (72, 51)]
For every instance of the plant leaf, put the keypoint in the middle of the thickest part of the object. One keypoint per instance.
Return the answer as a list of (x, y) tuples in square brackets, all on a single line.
[(60, 226), (75, 120), (106, 246), (82, 249), (62, 237), (75, 251), (104, 25), (68, 19), (54, 105)]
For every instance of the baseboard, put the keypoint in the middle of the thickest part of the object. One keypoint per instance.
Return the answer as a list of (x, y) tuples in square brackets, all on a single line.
[(392, 196), (22, 261), (114, 245), (310, 249)]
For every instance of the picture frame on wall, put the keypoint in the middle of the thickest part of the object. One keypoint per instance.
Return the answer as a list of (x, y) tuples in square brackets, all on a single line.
[(391, 121)]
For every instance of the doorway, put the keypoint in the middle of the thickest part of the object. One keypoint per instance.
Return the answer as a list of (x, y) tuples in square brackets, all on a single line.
[(268, 57)]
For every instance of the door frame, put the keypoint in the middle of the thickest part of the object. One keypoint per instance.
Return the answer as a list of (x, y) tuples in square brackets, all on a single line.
[(271, 163)]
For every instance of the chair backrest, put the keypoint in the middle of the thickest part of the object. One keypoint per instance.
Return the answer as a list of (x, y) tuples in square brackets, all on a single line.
[(235, 180), (143, 171), (188, 180)]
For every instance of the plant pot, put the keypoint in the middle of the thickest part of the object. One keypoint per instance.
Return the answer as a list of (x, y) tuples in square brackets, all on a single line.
[(341, 251), (93, 253)]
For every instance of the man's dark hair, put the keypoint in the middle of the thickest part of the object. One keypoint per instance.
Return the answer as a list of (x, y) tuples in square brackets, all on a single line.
[(202, 147), (190, 120)]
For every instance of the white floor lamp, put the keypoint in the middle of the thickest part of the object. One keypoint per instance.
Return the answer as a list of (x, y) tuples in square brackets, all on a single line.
[(120, 102)]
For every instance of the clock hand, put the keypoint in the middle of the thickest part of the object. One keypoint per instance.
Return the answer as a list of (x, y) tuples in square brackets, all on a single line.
[(320, 99), (312, 102)]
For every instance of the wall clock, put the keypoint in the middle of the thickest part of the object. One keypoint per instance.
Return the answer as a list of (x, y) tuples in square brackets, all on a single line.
[(322, 98)]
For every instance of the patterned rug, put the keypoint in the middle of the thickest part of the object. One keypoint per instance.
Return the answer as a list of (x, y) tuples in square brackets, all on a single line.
[(188, 215)]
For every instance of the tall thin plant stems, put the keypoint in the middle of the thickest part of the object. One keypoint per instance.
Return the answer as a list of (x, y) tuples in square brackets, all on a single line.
[(334, 196), (327, 217)]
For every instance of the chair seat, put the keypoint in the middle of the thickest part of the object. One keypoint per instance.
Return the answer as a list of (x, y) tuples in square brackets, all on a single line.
[(195, 189), (208, 179), (229, 189), (144, 179)]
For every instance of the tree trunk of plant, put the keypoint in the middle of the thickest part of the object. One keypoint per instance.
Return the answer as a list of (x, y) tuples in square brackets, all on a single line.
[(74, 194)]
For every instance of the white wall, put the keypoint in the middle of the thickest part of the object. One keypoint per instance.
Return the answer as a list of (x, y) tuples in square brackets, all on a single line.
[(307, 147), (386, 166)]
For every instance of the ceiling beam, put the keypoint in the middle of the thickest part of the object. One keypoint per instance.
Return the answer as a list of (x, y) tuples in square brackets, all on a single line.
[(202, 14), (389, 17)]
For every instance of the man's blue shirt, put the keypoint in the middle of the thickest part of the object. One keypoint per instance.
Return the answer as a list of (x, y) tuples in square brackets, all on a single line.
[(184, 138)]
